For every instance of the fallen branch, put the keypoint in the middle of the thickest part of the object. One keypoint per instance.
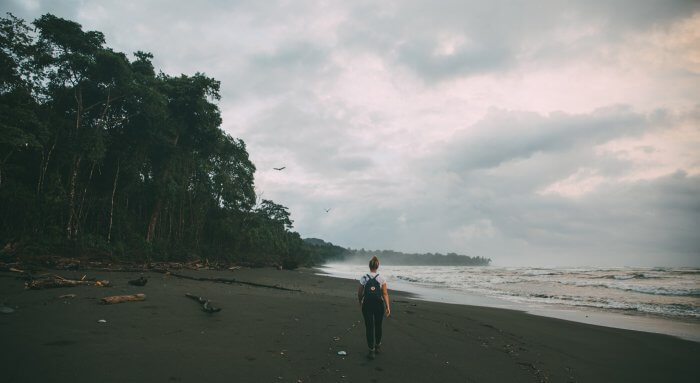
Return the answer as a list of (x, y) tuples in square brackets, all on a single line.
[(222, 280), (206, 305), (122, 269), (12, 267), (54, 281), (123, 298)]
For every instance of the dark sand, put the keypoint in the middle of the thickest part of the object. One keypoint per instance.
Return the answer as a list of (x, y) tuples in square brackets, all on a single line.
[(267, 335)]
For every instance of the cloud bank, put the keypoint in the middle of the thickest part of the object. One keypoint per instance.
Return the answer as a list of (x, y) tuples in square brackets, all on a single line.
[(557, 134)]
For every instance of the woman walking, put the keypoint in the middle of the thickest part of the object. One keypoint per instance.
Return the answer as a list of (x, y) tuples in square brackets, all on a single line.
[(374, 299)]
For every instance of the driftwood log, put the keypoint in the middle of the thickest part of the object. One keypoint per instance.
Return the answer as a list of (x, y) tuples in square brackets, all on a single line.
[(139, 282), (53, 281), (13, 267), (206, 305), (123, 298)]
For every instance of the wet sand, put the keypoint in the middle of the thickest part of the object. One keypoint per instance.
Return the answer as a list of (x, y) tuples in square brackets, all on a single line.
[(269, 335)]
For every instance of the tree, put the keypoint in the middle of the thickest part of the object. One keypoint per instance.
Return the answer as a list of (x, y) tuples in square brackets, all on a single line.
[(100, 154)]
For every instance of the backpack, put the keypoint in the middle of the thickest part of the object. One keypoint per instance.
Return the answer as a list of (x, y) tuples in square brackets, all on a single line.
[(373, 290)]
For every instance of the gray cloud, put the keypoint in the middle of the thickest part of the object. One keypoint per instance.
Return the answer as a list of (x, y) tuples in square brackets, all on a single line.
[(294, 57), (475, 59), (497, 201), (348, 95), (633, 224), (497, 35), (504, 136), (311, 139)]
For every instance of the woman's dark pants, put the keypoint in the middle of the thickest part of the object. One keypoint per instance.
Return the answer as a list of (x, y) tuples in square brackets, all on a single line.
[(373, 312)]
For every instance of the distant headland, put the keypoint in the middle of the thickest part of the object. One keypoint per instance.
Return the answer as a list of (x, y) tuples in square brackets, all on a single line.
[(325, 251)]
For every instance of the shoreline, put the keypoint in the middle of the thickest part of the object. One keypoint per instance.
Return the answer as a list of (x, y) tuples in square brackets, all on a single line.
[(272, 335), (682, 328)]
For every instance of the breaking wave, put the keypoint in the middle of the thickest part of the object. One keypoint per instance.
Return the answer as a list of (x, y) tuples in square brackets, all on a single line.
[(669, 292)]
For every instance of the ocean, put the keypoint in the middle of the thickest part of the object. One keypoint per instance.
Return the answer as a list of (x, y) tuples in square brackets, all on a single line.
[(665, 300)]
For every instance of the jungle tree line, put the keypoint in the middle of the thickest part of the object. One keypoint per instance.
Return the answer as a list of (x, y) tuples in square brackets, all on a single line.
[(102, 154)]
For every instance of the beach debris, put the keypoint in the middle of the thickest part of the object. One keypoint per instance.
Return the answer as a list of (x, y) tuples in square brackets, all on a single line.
[(64, 263), (6, 310), (54, 262), (122, 298), (222, 280), (67, 296), (206, 305), (12, 267), (139, 282), (101, 321), (48, 281), (197, 264), (7, 266), (342, 353)]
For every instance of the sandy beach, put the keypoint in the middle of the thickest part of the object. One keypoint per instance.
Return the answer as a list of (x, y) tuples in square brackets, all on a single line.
[(270, 335)]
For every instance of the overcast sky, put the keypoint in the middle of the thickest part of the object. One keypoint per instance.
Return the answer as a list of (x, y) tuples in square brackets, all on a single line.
[(530, 132)]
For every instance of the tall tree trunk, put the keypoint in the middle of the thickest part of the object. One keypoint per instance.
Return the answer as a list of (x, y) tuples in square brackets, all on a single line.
[(44, 166), (181, 224), (70, 226), (170, 222), (79, 216), (111, 204), (7, 157), (150, 234), (152, 222)]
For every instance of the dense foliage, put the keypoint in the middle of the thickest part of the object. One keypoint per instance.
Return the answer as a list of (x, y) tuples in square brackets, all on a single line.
[(101, 155), (322, 251)]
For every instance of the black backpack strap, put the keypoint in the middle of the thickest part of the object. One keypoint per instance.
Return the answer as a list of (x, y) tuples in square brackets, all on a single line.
[(375, 277)]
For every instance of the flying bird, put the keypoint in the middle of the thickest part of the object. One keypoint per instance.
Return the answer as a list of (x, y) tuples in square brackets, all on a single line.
[(327, 210), (282, 168)]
